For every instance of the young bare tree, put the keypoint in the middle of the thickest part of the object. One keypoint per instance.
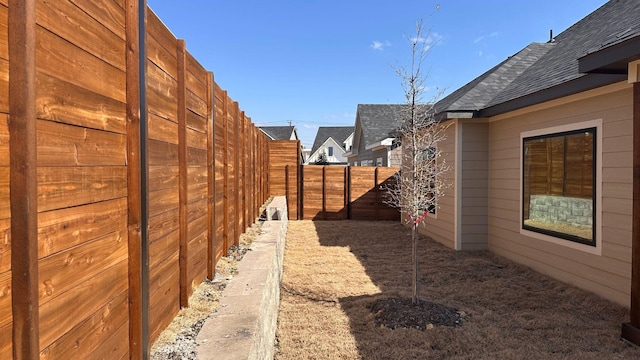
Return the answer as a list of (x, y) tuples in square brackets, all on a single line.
[(421, 182)]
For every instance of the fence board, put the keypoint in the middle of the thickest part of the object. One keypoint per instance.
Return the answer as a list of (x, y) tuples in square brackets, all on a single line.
[(65, 145), (67, 269), (84, 31), (4, 33), (5, 341), (59, 230), (340, 192), (53, 58), (165, 130), (103, 335), (4, 140), (65, 102), (5, 298), (5, 245), (4, 86), (85, 299), (61, 187), (109, 13)]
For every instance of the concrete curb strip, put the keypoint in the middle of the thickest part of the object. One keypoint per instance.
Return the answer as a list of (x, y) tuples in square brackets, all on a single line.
[(245, 325)]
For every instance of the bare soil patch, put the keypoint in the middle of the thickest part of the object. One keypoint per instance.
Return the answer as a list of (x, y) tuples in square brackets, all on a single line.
[(338, 275)]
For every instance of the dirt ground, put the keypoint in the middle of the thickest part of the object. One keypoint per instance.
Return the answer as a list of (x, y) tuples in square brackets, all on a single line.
[(336, 272)]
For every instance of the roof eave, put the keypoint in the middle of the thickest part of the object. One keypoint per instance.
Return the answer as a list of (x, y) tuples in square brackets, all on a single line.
[(612, 59), (583, 83), (456, 114)]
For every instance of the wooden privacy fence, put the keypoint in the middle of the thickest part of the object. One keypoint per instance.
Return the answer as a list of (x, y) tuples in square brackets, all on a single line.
[(346, 192), (328, 192), (126, 172)]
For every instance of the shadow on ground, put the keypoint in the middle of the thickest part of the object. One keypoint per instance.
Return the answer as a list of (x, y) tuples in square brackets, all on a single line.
[(509, 311)]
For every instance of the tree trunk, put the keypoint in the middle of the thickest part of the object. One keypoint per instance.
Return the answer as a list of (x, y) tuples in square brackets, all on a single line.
[(414, 239)]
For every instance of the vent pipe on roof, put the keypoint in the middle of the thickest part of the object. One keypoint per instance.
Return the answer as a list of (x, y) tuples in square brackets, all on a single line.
[(550, 35)]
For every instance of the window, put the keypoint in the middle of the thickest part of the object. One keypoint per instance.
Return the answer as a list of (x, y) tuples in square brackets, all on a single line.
[(559, 184), (379, 161), (330, 150)]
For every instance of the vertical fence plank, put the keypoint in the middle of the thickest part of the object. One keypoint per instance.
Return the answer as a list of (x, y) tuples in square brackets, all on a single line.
[(136, 178), (377, 190), (324, 192), (225, 121), (23, 178), (211, 179), (182, 172), (236, 168)]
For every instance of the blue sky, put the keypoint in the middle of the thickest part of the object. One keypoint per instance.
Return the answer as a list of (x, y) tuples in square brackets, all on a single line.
[(311, 62)]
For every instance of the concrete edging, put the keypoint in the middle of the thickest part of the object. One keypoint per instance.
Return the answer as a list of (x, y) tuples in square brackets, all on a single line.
[(244, 327)]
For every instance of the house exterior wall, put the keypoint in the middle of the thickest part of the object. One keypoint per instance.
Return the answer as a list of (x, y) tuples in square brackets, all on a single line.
[(605, 271), (441, 227), (337, 157), (369, 155), (472, 187)]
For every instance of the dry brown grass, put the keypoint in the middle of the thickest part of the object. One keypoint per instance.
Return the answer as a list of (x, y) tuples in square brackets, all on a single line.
[(335, 272)]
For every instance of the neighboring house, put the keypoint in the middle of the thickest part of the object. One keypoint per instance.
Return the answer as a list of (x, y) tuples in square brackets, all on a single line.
[(541, 152), (373, 144), (333, 142), (280, 132)]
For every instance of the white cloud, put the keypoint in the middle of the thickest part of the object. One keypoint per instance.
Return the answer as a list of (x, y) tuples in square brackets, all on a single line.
[(379, 45), (309, 126), (482, 37), (479, 53), (432, 39)]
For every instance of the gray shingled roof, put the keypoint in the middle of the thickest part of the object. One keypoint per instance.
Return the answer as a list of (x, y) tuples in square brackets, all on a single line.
[(482, 90), (337, 133), (539, 67), (278, 132), (378, 120), (560, 64)]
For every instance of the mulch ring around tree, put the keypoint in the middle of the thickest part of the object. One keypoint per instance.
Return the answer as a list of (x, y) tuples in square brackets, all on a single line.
[(397, 313)]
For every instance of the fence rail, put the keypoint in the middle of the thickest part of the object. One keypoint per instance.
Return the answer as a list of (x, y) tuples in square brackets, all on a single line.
[(121, 188)]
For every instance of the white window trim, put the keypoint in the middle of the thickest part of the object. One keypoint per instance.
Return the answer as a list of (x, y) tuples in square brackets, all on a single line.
[(596, 250)]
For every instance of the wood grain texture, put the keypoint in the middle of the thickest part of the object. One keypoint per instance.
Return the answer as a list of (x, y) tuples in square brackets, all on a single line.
[(163, 224), (163, 200), (63, 229), (196, 139), (196, 77), (5, 298), (64, 102), (163, 248), (196, 104), (6, 348), (161, 57), (71, 23), (160, 33), (66, 145), (4, 86), (61, 272), (5, 211), (163, 177), (5, 245), (88, 338), (69, 309), (61, 187), (61, 59), (196, 122), (164, 295), (109, 13), (161, 93), (161, 129), (161, 153), (4, 32)]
